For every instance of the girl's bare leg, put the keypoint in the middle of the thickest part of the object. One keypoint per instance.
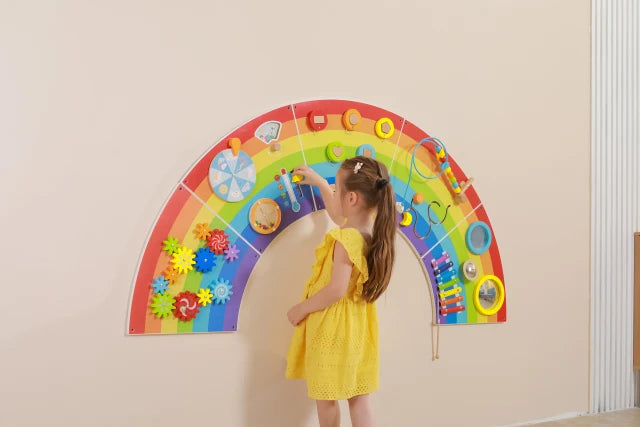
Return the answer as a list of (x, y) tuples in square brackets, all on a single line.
[(328, 413), (361, 411)]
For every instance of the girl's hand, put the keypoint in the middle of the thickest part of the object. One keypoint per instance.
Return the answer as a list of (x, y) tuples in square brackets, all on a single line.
[(296, 314), (309, 176)]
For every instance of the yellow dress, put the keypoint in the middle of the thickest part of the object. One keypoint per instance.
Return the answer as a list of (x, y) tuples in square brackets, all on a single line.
[(336, 349)]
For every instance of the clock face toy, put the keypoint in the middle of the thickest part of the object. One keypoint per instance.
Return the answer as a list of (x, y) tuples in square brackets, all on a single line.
[(265, 216)]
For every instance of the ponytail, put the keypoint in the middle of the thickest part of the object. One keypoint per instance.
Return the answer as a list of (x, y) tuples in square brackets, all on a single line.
[(372, 181), (382, 250)]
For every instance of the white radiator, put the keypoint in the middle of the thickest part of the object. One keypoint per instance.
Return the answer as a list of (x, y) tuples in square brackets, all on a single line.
[(615, 198)]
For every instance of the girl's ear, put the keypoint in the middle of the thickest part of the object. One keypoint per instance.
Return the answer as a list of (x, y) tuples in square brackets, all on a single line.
[(353, 197)]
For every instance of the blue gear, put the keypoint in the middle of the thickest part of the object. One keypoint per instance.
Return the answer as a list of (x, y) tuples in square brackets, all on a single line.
[(160, 285), (221, 290), (205, 260)]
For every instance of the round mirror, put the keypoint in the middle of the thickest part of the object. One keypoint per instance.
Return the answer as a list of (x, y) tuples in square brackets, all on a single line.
[(470, 270), (488, 295), (478, 237)]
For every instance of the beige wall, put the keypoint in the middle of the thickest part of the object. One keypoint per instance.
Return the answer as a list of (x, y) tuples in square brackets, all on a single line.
[(104, 107)]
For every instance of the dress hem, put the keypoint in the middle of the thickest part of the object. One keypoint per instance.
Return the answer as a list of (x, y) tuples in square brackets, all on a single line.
[(345, 396)]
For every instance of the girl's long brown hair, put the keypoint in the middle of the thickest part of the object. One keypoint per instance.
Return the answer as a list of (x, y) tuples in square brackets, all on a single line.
[(372, 183)]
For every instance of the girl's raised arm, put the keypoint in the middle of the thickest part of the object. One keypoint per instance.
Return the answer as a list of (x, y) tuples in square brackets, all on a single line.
[(311, 177)]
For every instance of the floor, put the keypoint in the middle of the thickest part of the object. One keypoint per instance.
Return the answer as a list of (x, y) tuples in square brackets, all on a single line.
[(628, 418)]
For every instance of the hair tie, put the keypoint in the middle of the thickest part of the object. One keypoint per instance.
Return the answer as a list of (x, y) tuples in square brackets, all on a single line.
[(381, 183)]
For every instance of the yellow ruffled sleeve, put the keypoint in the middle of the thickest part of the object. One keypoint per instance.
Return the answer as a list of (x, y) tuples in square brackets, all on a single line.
[(354, 244)]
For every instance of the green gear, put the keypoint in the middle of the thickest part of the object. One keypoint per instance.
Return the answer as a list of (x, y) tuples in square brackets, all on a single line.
[(162, 305), (171, 245)]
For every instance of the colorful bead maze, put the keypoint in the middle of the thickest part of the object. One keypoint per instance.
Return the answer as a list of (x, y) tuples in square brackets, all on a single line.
[(458, 188)]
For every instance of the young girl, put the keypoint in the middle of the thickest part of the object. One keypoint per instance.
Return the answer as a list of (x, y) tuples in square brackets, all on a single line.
[(335, 342)]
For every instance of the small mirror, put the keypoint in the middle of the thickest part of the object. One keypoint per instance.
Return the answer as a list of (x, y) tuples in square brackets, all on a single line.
[(488, 296), (470, 270), (478, 237)]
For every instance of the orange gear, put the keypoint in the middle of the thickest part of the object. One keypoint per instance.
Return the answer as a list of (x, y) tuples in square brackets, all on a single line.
[(203, 231), (171, 274)]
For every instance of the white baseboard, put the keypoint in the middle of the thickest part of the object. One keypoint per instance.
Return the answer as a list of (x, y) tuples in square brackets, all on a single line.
[(564, 417), (546, 420)]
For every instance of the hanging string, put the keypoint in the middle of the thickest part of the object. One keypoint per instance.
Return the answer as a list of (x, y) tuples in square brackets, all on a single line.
[(438, 340)]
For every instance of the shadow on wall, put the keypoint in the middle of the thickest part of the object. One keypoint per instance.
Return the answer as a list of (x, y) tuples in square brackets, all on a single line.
[(270, 398)]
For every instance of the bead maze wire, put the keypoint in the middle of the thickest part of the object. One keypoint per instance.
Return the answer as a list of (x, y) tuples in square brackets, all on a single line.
[(430, 220), (436, 143)]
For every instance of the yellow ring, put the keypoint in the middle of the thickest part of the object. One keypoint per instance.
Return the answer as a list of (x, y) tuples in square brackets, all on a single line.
[(379, 131), (500, 301)]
